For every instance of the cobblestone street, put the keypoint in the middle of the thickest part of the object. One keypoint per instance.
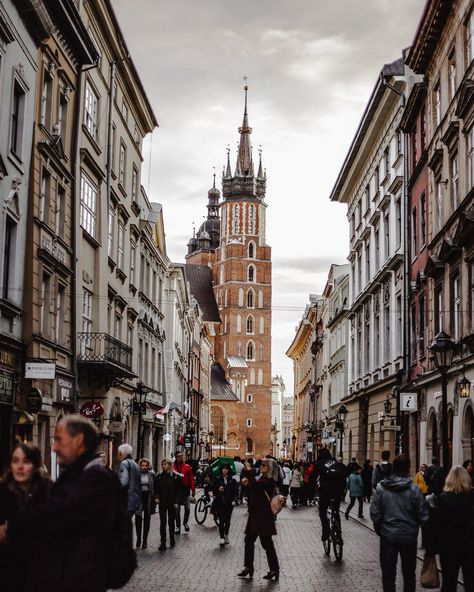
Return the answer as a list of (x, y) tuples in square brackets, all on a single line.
[(198, 563)]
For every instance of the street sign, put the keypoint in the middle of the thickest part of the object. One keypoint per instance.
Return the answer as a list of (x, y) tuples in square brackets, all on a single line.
[(408, 402), (43, 371), (389, 428)]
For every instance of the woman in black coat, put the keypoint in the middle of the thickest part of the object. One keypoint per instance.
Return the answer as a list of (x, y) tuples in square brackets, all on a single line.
[(23, 486), (454, 519), (166, 492), (367, 473), (226, 493), (261, 521)]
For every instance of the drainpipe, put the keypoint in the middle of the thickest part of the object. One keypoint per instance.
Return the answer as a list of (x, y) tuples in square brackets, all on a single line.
[(406, 269)]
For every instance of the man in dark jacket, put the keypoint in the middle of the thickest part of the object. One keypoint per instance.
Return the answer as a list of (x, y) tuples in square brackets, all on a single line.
[(332, 479), (435, 477), (397, 510), (383, 470), (70, 527)]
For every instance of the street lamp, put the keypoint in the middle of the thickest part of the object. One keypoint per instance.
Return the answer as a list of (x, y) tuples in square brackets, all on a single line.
[(340, 424), (464, 386), (442, 349), (139, 409)]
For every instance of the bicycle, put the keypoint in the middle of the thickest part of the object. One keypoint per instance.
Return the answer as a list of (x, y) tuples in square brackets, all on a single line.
[(335, 532), (203, 507)]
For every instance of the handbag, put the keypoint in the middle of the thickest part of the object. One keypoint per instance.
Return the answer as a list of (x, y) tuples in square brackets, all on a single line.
[(276, 503), (429, 572)]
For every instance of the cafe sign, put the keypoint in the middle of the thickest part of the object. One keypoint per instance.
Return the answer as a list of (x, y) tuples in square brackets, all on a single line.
[(6, 387), (64, 389), (92, 410)]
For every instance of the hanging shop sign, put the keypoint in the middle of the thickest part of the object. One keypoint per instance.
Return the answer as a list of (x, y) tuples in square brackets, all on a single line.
[(7, 387), (408, 402), (92, 410), (40, 371), (34, 400), (115, 427), (7, 358), (64, 389)]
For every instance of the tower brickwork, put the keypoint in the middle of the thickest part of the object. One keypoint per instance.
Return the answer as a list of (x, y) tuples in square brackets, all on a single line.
[(232, 241)]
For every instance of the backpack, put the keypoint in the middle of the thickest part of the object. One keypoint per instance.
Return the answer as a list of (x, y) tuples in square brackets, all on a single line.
[(120, 556), (330, 470)]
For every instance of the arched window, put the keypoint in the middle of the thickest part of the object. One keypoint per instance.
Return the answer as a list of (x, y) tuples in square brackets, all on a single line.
[(222, 278), (251, 273), (249, 446), (239, 323), (217, 423), (262, 325), (250, 325), (260, 299), (251, 219), (260, 352), (250, 351), (260, 376), (236, 219), (252, 376), (241, 296), (251, 250), (250, 299)]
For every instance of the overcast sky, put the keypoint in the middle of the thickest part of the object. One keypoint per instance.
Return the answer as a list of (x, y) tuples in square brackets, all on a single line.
[(311, 66)]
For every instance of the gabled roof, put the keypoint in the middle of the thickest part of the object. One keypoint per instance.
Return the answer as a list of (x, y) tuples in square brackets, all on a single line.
[(200, 282), (236, 362), (220, 387)]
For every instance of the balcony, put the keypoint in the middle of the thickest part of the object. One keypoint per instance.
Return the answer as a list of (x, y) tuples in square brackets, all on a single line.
[(103, 359)]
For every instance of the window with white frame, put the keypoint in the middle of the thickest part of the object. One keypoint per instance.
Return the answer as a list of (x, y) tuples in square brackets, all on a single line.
[(88, 205), (422, 221), (60, 313), (437, 105), (122, 164), (250, 299), (452, 73), (261, 352), (133, 255), (239, 348), (470, 158), (17, 119), (250, 325), (249, 398), (252, 376), (239, 323), (260, 299), (250, 350), (456, 307), (125, 110), (470, 39), (120, 244), (455, 181), (251, 273), (86, 311), (260, 376), (251, 219), (249, 422), (241, 296), (45, 195), (60, 211), (91, 111), (236, 219), (134, 184), (110, 233), (251, 253), (262, 325), (46, 98), (439, 202), (387, 234)]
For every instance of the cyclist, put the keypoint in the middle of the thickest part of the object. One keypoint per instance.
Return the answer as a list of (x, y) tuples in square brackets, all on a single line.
[(332, 481)]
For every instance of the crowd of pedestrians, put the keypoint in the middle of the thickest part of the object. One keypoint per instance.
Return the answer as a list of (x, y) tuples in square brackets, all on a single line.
[(76, 533)]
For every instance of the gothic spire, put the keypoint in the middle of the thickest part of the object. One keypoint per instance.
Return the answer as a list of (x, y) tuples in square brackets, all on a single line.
[(228, 171), (244, 158), (260, 166)]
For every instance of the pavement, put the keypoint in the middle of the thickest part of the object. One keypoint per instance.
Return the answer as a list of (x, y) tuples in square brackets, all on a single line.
[(198, 562)]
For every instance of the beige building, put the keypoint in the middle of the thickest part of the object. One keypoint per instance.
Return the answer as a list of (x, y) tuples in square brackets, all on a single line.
[(50, 264), (118, 274)]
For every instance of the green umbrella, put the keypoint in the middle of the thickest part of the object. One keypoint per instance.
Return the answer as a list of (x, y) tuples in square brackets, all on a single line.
[(222, 460)]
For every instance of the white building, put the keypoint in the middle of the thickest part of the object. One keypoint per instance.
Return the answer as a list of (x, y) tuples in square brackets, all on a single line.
[(278, 392)]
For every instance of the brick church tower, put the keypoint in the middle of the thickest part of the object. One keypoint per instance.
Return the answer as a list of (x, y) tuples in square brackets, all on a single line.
[(232, 243)]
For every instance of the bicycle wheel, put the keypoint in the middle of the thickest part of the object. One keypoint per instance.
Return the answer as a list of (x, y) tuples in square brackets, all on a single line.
[(200, 510), (327, 547), (337, 542)]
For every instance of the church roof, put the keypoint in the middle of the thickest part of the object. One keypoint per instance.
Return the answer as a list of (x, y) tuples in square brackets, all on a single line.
[(236, 362), (220, 386), (200, 282)]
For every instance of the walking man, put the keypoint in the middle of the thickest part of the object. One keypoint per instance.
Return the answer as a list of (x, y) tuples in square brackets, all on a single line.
[(69, 529), (382, 470), (186, 486), (397, 510), (130, 479)]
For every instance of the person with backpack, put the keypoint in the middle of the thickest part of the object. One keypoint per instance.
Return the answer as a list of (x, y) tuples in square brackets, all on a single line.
[(74, 529), (332, 479), (130, 479), (382, 470), (398, 509), (355, 487)]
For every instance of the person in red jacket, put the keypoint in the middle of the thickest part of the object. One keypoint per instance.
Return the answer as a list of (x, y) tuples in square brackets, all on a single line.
[(186, 486)]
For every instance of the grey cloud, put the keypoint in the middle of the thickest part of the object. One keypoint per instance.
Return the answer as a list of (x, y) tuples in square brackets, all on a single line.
[(312, 264)]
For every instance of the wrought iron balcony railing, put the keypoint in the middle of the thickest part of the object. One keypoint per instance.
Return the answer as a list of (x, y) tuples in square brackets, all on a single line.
[(97, 348)]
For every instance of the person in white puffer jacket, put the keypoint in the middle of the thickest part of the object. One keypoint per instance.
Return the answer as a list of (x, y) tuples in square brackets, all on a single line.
[(296, 484), (285, 487)]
